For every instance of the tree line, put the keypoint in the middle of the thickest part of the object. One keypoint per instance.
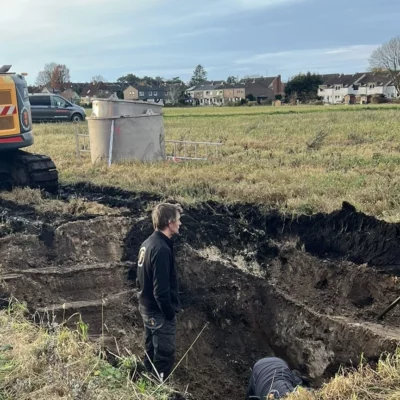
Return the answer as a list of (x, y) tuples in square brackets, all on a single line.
[(303, 87)]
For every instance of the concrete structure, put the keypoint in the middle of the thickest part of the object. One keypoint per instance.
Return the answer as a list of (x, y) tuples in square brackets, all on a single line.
[(137, 130), (115, 108)]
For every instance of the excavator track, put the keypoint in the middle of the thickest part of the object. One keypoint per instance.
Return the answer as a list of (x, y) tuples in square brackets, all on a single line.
[(20, 168)]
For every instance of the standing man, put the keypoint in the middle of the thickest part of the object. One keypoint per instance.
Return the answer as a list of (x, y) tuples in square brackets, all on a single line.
[(158, 290)]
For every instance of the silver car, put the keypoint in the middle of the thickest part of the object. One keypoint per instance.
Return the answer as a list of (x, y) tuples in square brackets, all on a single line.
[(52, 107)]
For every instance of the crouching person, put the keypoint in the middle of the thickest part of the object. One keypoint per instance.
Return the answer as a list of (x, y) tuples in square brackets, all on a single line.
[(271, 378), (158, 290)]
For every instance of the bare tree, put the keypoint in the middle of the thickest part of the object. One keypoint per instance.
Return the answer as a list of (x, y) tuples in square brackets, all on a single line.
[(98, 78), (174, 93), (387, 58), (44, 76), (53, 74), (60, 77)]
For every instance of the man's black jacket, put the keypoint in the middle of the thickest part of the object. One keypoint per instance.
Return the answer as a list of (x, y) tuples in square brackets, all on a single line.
[(157, 278)]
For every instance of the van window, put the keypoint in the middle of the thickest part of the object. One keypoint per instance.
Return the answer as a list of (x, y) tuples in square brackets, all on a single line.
[(59, 102), (40, 100)]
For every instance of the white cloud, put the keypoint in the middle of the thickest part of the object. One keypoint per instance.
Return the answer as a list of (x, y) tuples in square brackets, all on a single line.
[(311, 58), (198, 32), (348, 59), (254, 4)]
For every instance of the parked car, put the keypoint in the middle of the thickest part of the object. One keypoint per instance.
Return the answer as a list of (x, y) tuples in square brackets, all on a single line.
[(52, 107)]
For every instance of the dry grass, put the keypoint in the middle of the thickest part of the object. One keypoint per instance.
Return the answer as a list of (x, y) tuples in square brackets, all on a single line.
[(361, 384), (53, 362), (49, 361), (266, 159), (78, 207)]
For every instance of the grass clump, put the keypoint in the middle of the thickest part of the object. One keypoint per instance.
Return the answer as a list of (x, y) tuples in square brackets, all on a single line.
[(362, 383), (50, 361)]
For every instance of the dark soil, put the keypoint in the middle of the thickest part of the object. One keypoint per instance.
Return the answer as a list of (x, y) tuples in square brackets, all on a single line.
[(264, 284)]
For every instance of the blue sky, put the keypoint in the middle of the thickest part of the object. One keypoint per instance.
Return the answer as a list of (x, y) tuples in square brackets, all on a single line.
[(170, 37)]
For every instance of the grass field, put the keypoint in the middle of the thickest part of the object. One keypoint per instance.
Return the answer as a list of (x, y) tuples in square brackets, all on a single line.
[(296, 159)]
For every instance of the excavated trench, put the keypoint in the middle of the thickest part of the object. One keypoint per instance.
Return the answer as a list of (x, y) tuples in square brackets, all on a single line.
[(308, 290)]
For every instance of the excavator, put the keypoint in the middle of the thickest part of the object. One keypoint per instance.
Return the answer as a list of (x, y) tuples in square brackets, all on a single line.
[(18, 167)]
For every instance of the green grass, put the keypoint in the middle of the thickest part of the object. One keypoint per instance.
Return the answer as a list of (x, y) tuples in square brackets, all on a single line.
[(300, 160), (50, 361)]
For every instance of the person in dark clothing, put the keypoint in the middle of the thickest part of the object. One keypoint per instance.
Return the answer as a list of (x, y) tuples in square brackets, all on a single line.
[(158, 290), (271, 378)]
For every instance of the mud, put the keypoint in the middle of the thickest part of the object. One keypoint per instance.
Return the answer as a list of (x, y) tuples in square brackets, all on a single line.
[(308, 290)]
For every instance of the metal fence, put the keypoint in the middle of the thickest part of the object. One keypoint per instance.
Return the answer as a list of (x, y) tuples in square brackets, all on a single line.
[(188, 150), (81, 139), (175, 149)]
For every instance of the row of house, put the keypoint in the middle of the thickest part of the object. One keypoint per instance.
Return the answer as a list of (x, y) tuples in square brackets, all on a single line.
[(356, 88), (211, 92), (146, 93), (220, 92), (84, 93)]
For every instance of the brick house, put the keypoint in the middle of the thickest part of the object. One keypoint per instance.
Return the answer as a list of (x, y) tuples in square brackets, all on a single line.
[(152, 93), (213, 94), (210, 92), (273, 83), (234, 92), (96, 90), (259, 91), (71, 96), (131, 93)]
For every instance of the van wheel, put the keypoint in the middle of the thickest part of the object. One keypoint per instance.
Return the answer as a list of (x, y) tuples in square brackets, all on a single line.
[(76, 118)]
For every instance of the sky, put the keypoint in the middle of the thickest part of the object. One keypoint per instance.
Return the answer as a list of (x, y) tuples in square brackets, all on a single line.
[(169, 38)]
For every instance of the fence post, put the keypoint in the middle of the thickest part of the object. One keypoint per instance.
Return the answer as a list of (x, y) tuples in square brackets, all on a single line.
[(78, 153), (110, 149)]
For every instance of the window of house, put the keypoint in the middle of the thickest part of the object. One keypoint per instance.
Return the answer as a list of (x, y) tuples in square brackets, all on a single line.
[(372, 86), (155, 93), (150, 93), (337, 87), (141, 93), (321, 90)]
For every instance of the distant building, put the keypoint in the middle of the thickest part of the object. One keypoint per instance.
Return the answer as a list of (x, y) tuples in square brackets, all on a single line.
[(356, 88), (131, 93), (71, 96), (96, 90)]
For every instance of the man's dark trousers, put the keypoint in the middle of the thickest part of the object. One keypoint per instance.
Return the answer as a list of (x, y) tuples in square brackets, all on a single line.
[(160, 343)]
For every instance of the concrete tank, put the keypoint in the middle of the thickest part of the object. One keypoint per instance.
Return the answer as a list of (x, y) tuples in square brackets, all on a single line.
[(139, 137), (103, 108)]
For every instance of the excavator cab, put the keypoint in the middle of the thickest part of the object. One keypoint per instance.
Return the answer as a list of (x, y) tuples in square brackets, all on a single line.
[(20, 168)]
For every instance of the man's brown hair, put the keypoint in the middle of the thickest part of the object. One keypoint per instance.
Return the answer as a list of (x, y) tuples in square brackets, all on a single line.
[(164, 213)]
